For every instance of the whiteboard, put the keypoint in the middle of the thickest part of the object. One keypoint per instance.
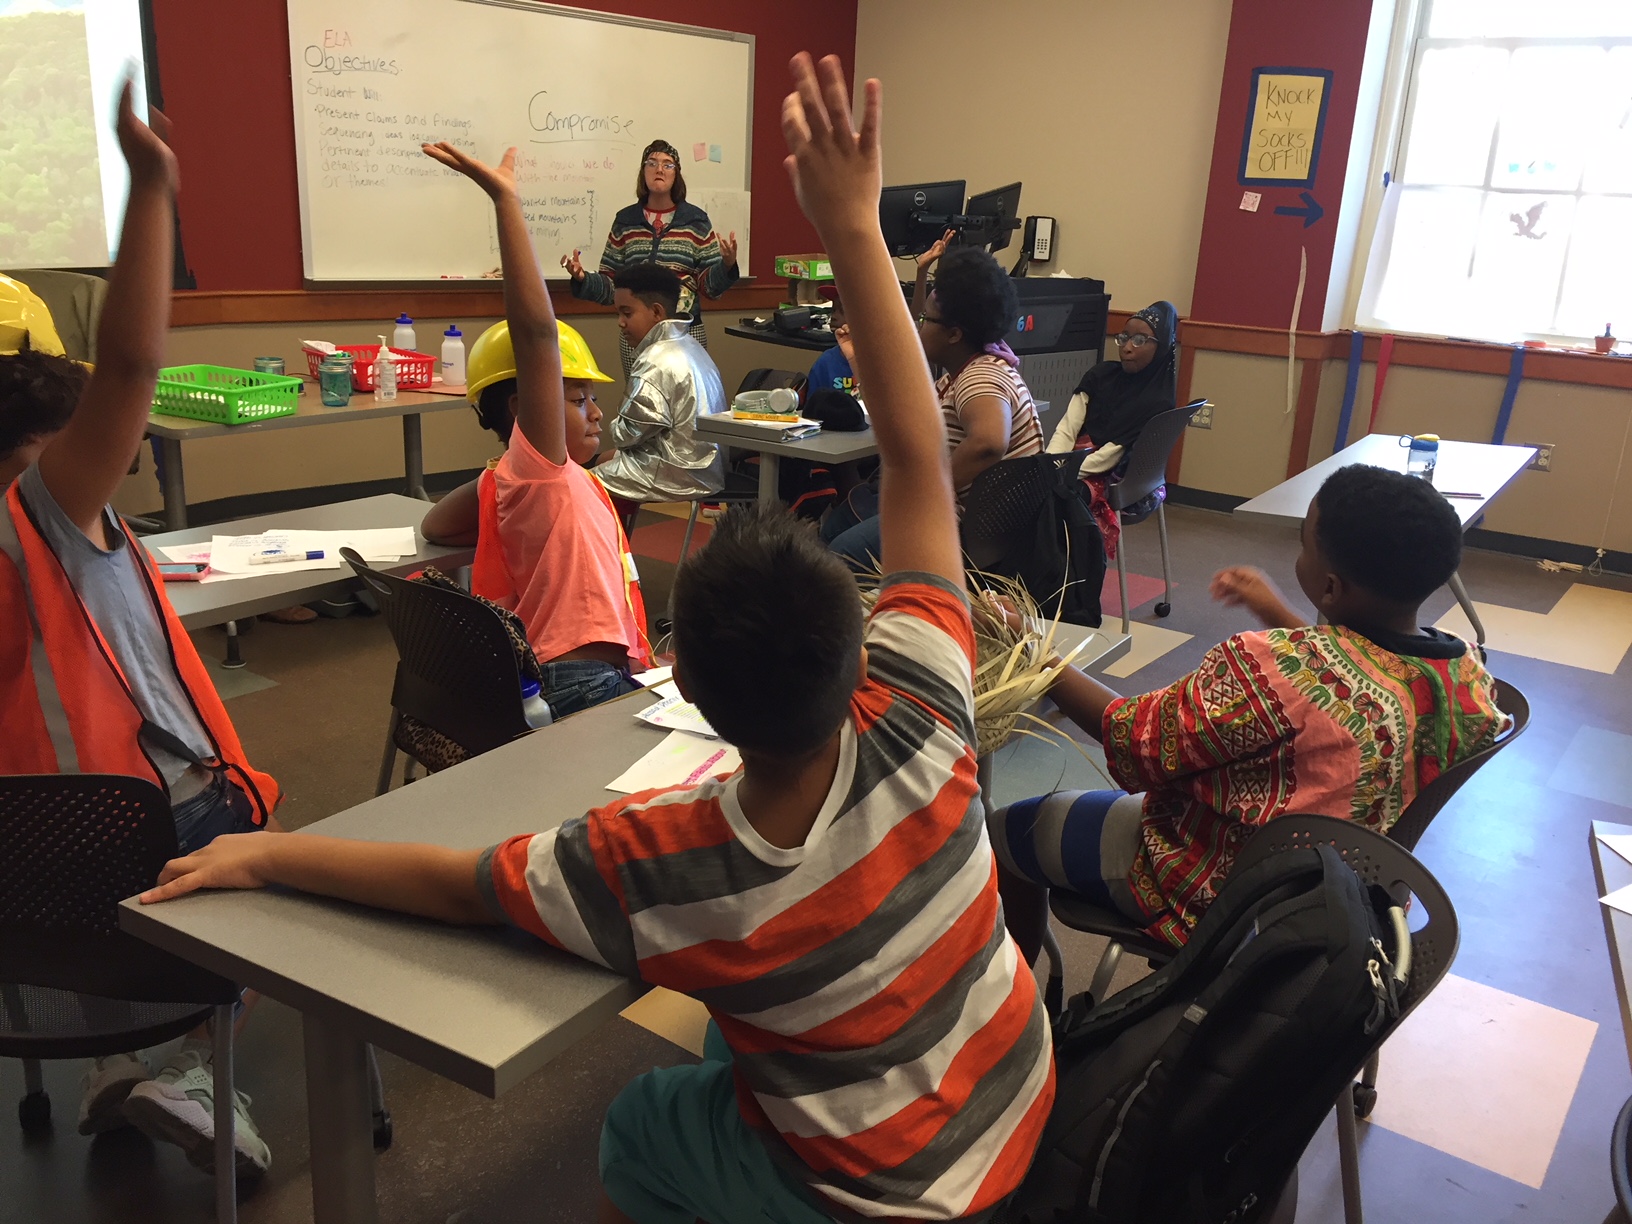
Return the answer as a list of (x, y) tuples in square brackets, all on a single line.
[(579, 94)]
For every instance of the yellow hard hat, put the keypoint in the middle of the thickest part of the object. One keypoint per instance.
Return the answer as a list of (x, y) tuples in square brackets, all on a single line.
[(493, 359), (25, 320)]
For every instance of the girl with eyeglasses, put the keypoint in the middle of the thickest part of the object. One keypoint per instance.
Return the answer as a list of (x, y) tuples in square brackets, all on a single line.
[(1114, 400), (663, 228)]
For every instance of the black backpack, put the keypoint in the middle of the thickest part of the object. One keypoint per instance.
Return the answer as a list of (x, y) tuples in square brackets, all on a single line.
[(1029, 519), (1189, 1097)]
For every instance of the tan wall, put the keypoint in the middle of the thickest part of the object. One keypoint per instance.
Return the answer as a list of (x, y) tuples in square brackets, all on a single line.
[(1245, 452), (1105, 111), (372, 450)]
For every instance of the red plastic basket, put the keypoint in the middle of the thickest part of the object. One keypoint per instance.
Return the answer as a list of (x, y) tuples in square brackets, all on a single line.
[(413, 369)]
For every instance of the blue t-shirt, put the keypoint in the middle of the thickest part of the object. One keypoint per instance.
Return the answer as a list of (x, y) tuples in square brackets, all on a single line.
[(831, 372)]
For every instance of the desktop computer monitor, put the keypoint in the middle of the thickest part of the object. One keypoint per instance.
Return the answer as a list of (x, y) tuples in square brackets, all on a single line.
[(993, 216), (914, 216)]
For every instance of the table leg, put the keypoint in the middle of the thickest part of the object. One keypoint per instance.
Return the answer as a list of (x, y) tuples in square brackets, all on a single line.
[(413, 456), (1461, 593), (174, 484), (234, 659), (770, 467), (340, 1123)]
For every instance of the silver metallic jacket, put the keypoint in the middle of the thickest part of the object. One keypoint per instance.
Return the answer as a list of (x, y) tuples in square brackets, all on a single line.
[(659, 457)]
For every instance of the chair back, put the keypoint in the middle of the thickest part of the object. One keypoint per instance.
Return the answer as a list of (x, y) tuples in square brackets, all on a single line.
[(1146, 469), (456, 668), (72, 847), (1376, 860), (1001, 508), (1414, 821)]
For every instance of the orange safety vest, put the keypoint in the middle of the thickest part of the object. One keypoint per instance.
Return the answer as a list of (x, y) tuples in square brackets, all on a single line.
[(490, 574), (65, 706)]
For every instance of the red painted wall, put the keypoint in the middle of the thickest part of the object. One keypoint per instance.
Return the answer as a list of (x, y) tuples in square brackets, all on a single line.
[(1247, 272), (224, 69)]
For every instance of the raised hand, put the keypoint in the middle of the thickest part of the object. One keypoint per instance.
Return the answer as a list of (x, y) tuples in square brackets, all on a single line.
[(574, 265), (497, 181), (1246, 586), (728, 249), (936, 249), (847, 346), (150, 159), (836, 172)]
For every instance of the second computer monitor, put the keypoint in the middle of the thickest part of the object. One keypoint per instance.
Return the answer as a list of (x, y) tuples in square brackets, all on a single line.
[(914, 216), (999, 211)]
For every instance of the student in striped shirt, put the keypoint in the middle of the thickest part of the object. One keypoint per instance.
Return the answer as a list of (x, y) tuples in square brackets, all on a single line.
[(878, 1047)]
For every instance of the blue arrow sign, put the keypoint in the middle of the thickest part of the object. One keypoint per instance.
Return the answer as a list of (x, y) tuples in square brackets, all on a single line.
[(1310, 212)]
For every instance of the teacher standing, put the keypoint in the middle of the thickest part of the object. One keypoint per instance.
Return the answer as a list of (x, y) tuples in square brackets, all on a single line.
[(661, 227)]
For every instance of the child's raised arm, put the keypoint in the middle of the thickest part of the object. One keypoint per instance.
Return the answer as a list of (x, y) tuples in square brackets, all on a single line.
[(837, 176), (83, 465), (540, 400)]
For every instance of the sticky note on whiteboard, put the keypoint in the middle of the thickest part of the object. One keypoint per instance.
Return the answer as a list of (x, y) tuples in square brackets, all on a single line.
[(699, 151), (714, 153)]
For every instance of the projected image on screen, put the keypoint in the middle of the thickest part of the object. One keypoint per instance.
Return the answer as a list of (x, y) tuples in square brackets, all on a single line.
[(62, 182)]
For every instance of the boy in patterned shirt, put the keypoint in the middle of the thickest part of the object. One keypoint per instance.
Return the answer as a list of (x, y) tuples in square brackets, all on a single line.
[(878, 1046), (1351, 719)]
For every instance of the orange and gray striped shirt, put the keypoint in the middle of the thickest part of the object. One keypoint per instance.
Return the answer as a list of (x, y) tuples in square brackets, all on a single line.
[(888, 1041)]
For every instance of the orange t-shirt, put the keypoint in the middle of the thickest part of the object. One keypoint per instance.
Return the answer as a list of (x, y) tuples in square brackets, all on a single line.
[(563, 546)]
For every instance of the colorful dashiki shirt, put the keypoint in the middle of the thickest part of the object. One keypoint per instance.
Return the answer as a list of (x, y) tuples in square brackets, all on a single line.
[(1322, 720)]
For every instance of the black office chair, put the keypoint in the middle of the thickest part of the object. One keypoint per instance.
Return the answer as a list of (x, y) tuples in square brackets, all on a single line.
[(1620, 1167), (456, 669), (1003, 516), (1145, 474), (73, 984), (1124, 937)]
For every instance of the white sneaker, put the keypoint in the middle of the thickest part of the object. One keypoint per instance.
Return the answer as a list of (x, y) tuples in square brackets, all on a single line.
[(106, 1084), (178, 1106)]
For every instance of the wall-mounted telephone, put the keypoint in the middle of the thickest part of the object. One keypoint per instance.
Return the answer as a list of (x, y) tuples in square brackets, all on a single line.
[(1039, 239)]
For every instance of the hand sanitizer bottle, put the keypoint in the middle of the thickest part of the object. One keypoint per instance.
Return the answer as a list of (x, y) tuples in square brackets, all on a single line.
[(385, 373)]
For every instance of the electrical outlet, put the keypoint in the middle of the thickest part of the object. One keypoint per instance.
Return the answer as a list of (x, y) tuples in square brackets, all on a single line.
[(1543, 462), (1202, 418)]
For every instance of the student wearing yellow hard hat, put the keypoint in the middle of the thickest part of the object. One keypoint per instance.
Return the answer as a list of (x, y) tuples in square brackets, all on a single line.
[(39, 387), (549, 545)]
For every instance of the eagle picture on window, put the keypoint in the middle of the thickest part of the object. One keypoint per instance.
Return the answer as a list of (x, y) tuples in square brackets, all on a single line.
[(1527, 221)]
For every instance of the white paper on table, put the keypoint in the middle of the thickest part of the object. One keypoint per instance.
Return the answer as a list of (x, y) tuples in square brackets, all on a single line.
[(675, 712), (1620, 899), (1621, 843), (681, 759), (230, 554), (655, 677)]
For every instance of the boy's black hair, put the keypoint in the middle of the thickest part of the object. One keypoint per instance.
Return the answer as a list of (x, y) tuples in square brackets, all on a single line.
[(38, 395), (767, 632), (493, 408), (652, 283), (1391, 534), (973, 292)]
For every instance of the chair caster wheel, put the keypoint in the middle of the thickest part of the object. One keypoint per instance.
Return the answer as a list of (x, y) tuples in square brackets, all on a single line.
[(1163, 608), (1365, 1100), (384, 1132), (34, 1113)]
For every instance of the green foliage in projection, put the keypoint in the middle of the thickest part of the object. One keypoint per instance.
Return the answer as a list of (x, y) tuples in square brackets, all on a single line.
[(50, 190)]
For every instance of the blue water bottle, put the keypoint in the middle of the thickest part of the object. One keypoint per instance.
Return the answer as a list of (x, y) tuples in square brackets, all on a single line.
[(1423, 455)]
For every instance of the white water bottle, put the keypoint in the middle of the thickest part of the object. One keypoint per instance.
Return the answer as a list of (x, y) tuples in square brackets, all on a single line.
[(453, 357), (403, 338), (385, 373), (533, 706)]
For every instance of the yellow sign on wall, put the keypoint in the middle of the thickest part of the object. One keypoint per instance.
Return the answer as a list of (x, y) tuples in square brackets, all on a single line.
[(1285, 121)]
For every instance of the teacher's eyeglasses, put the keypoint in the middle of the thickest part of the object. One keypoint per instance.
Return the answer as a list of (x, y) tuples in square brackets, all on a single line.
[(1132, 340), (653, 164)]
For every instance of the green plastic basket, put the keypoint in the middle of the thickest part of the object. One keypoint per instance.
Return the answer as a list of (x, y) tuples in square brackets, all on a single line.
[(224, 395)]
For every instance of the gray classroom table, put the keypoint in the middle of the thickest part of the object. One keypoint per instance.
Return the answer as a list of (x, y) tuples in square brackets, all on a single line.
[(1611, 871), (1463, 467), (483, 1006), (825, 447), (172, 431)]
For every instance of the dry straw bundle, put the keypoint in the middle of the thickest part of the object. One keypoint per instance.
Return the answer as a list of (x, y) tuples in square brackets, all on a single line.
[(1015, 664)]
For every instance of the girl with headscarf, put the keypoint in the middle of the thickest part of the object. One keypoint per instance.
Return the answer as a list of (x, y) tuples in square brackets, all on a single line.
[(663, 227), (1113, 402)]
